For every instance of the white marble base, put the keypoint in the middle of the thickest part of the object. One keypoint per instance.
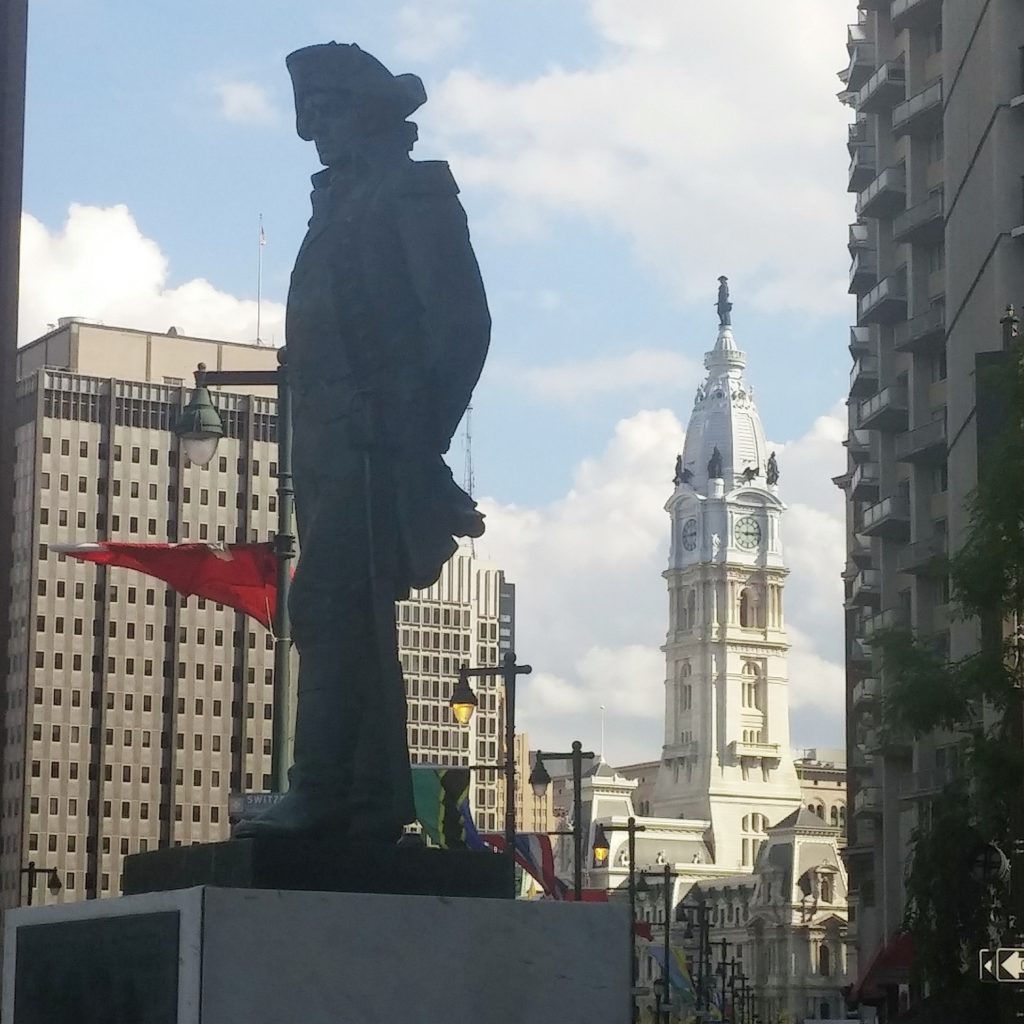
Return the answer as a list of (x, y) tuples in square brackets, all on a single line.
[(275, 957)]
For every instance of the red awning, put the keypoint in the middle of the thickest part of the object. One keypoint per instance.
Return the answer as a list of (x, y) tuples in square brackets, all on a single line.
[(889, 966)]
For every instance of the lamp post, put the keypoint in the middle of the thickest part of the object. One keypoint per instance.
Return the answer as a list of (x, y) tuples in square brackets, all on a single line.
[(702, 913), (666, 874), (744, 1016), (601, 850), (463, 703), (200, 429), (659, 997), (722, 964), (33, 872), (540, 780)]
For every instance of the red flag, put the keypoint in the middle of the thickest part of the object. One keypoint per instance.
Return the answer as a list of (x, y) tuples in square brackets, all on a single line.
[(642, 929), (242, 576)]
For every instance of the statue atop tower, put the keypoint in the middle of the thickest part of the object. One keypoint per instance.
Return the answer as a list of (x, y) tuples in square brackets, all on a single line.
[(723, 305)]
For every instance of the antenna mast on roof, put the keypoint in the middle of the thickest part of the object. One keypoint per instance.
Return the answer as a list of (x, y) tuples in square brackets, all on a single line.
[(468, 480), (259, 282)]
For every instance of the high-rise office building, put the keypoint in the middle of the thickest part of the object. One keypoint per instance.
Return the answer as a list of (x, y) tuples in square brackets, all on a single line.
[(936, 147), (131, 713)]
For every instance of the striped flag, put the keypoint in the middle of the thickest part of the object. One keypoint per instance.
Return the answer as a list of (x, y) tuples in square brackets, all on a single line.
[(535, 856)]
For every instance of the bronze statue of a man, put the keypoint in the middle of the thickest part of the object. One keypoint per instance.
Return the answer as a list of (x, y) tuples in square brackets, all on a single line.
[(387, 329)]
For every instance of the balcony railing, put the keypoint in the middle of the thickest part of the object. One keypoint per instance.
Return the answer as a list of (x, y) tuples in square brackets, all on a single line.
[(886, 87), (743, 748), (860, 550), (886, 410), (923, 444), (867, 800), (886, 302), (862, 60), (863, 169), (922, 222), (860, 651), (864, 482), (906, 13), (860, 341), (923, 557), (921, 113), (858, 444), (866, 692), (857, 133), (922, 333), (863, 271), (926, 783), (859, 237), (891, 618), (866, 587), (886, 195), (889, 518)]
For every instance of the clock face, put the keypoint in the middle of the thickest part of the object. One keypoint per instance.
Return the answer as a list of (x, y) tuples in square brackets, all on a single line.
[(690, 534), (748, 533)]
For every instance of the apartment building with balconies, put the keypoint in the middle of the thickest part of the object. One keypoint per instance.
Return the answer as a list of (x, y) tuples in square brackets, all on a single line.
[(936, 156)]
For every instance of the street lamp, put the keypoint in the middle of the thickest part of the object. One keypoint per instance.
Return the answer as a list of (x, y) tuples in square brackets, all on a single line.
[(33, 873), (463, 703), (601, 849), (199, 427), (540, 780), (667, 875), (702, 913)]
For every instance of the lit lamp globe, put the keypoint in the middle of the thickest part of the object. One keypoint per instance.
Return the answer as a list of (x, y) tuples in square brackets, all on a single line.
[(199, 427), (539, 778), (463, 700), (601, 847)]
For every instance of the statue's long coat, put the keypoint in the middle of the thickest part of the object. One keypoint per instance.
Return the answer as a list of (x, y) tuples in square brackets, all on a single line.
[(387, 330)]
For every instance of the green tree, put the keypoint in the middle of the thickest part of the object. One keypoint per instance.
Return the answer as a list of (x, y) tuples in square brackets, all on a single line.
[(950, 911)]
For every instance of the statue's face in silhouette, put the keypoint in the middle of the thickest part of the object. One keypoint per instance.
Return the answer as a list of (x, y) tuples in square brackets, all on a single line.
[(332, 120)]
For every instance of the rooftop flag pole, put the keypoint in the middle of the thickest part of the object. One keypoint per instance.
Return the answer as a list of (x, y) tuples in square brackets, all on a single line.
[(259, 283)]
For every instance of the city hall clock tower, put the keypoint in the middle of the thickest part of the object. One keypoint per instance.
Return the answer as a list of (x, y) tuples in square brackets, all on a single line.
[(726, 756)]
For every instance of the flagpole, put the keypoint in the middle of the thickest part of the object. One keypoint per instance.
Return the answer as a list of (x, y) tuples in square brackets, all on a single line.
[(259, 282)]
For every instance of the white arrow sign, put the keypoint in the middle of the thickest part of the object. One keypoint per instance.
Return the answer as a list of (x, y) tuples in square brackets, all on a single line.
[(1010, 964), (987, 964)]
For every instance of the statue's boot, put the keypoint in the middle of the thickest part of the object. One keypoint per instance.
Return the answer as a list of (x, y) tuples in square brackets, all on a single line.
[(326, 724)]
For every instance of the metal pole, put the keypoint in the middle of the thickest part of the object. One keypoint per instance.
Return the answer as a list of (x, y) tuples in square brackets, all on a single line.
[(284, 548), (509, 676), (631, 833), (30, 870), (668, 941), (577, 818), (13, 44), (725, 951)]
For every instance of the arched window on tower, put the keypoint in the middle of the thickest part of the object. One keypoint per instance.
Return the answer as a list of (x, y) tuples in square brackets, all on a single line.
[(752, 689), (824, 961), (751, 607)]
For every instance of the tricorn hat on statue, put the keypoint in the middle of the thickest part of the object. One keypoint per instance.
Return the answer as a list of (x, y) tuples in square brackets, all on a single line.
[(345, 68)]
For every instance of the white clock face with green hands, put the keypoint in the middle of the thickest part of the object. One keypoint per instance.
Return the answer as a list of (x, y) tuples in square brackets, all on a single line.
[(690, 534), (748, 533)]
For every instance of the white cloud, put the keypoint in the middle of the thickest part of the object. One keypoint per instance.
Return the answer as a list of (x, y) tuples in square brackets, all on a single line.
[(100, 265), (592, 609), (244, 102), (427, 30), (703, 134), (659, 370)]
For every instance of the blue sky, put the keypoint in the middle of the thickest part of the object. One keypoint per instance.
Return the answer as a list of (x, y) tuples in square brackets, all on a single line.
[(614, 159)]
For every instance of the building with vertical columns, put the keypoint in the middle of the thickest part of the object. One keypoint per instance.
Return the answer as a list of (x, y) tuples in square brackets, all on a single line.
[(726, 754), (937, 245), (132, 714), (747, 832)]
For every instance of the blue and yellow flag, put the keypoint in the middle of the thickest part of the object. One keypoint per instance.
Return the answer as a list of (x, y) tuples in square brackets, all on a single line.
[(442, 807)]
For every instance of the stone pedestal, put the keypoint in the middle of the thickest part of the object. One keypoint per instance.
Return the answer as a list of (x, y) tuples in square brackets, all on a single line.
[(228, 956), (321, 865)]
